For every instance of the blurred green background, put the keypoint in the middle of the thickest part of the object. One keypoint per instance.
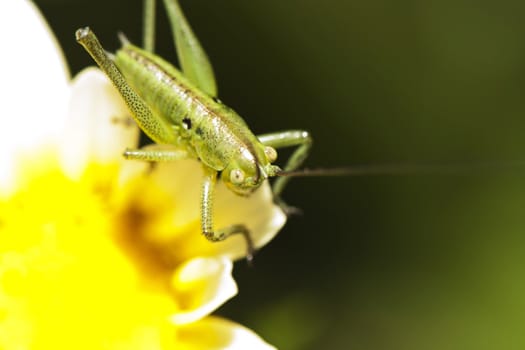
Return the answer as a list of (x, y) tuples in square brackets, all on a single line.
[(378, 262)]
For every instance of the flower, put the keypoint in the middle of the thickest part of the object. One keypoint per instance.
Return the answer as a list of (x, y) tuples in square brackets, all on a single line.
[(97, 252)]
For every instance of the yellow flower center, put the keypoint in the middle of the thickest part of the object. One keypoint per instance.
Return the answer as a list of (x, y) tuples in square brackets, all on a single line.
[(80, 266)]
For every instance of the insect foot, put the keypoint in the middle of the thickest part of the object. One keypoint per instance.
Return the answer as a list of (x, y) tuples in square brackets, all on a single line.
[(288, 209), (221, 235)]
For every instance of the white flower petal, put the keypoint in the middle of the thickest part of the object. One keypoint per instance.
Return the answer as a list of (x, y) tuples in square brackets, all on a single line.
[(258, 212), (183, 181), (34, 84), (99, 127), (200, 286), (214, 333)]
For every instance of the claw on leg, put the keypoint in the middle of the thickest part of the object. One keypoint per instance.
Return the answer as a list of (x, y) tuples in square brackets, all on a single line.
[(221, 235), (288, 210)]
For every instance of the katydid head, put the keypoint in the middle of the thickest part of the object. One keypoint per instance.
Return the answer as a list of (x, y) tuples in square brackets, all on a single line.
[(248, 171)]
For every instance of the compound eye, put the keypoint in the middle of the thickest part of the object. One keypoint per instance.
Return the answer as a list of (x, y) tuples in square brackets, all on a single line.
[(237, 176), (271, 153)]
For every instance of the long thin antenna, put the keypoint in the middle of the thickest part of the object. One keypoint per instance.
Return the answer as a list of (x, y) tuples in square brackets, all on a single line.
[(464, 168)]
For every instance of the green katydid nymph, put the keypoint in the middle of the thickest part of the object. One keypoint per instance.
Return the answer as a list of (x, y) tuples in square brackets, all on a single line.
[(180, 112)]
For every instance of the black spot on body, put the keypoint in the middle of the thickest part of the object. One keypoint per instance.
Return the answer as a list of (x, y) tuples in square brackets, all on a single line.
[(199, 131), (187, 123)]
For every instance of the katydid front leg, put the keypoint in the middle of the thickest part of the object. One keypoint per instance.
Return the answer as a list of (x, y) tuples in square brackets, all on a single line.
[(208, 188), (289, 138), (156, 153)]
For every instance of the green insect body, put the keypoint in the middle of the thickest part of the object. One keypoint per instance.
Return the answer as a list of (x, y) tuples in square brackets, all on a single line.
[(179, 111), (204, 127)]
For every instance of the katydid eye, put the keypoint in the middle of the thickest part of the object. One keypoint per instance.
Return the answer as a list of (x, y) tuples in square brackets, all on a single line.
[(237, 176), (271, 153)]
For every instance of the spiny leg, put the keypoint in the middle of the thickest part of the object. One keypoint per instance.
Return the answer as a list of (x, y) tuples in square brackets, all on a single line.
[(208, 187), (153, 154), (289, 138), (156, 128), (156, 153)]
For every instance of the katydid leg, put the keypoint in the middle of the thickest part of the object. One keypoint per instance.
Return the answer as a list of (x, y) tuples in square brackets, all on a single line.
[(148, 39), (193, 59), (156, 153), (156, 128), (208, 188), (290, 138)]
